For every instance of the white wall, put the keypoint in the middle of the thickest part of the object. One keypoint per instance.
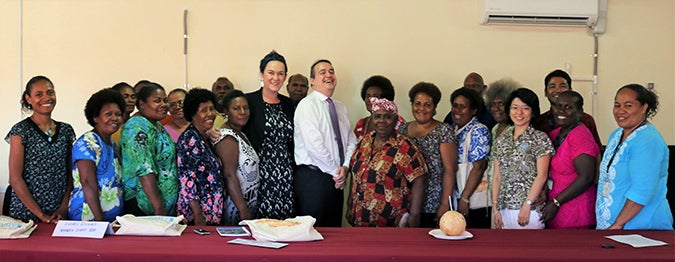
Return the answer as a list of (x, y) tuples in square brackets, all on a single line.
[(84, 46)]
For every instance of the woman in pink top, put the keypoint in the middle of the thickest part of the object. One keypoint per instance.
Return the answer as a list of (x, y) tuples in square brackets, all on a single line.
[(178, 123), (571, 192)]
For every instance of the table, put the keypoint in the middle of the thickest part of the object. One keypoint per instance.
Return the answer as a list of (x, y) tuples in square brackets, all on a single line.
[(345, 244)]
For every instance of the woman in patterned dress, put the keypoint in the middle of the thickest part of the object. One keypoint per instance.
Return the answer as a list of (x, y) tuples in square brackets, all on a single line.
[(240, 161), (270, 131), (39, 158), (202, 193), (473, 140), (149, 157), (521, 159), (437, 144), (97, 175), (388, 175)]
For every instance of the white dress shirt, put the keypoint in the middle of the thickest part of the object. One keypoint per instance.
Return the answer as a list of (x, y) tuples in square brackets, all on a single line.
[(314, 137)]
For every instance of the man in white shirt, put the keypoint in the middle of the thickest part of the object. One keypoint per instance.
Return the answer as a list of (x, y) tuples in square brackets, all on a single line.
[(321, 153)]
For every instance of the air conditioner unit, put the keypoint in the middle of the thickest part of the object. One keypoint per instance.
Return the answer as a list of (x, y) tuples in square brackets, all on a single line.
[(542, 12)]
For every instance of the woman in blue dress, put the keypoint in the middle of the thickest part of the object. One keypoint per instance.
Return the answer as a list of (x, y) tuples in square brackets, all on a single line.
[(97, 174), (634, 168)]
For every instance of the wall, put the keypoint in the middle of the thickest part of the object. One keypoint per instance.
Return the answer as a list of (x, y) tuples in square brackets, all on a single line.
[(84, 46)]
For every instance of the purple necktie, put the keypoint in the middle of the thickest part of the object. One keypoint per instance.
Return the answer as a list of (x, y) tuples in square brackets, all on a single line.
[(336, 128)]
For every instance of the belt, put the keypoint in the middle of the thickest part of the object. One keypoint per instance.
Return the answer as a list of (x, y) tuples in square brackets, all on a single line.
[(312, 167)]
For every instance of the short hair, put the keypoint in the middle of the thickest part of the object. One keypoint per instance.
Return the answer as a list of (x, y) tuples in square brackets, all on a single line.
[(290, 78), (312, 74), (177, 90), (501, 88), (146, 91), (474, 98), (272, 56), (222, 78), (529, 98), (140, 84), (427, 88), (579, 103), (227, 99), (118, 87), (644, 96), (193, 99), (380, 82), (29, 87), (99, 99), (558, 73), (475, 76)]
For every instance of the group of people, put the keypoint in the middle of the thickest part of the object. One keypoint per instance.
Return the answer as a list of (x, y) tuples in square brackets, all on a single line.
[(221, 156)]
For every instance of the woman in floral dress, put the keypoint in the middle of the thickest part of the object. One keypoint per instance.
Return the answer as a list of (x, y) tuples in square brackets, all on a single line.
[(97, 174), (201, 194)]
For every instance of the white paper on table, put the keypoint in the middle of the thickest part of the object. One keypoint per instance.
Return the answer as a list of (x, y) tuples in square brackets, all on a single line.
[(636, 240)]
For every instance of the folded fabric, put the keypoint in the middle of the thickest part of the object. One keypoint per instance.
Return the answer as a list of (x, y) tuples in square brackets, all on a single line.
[(296, 229), (150, 225), (11, 228)]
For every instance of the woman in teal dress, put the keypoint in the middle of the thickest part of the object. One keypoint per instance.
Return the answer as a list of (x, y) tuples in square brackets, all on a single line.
[(634, 168), (97, 174), (149, 157)]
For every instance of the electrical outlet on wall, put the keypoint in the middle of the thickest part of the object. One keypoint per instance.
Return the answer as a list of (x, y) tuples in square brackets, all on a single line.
[(650, 86)]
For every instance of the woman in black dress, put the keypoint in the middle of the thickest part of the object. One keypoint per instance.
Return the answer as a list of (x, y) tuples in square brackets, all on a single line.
[(270, 130), (39, 158)]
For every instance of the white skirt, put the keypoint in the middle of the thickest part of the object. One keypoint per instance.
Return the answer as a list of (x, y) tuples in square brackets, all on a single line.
[(510, 219)]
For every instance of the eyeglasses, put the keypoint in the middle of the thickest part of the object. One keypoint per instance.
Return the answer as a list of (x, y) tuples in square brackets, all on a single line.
[(176, 104)]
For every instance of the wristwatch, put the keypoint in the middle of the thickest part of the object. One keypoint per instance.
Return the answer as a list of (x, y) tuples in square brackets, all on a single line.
[(529, 202)]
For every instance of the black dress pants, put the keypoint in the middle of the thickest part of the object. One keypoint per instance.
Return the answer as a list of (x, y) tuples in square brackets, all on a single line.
[(316, 196)]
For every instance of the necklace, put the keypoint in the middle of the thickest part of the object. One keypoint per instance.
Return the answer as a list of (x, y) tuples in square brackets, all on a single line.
[(49, 132), (50, 129)]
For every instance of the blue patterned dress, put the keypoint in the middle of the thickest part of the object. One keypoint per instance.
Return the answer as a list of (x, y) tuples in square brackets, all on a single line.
[(90, 147), (638, 171), (479, 137), (430, 146), (201, 178)]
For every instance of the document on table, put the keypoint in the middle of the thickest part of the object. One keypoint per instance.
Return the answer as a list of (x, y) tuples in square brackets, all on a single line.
[(256, 243), (636, 240)]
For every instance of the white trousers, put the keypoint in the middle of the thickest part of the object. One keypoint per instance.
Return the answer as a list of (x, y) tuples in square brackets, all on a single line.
[(510, 219)]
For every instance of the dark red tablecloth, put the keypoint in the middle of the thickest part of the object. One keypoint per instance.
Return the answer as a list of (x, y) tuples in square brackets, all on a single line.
[(345, 244)]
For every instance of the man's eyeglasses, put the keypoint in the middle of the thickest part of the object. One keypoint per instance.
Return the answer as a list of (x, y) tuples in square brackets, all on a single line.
[(176, 104)]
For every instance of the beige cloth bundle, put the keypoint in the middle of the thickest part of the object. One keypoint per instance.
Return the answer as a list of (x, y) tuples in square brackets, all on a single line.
[(11, 228), (150, 225), (296, 229)]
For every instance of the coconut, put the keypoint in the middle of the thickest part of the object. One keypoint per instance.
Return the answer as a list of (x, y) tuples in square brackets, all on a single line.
[(452, 223)]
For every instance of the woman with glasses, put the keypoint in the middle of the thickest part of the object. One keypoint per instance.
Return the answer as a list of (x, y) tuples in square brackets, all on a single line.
[(178, 124)]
